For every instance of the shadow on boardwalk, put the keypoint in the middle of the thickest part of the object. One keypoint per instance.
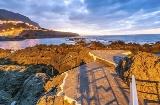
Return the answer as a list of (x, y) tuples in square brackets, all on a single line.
[(84, 84), (95, 87), (153, 85)]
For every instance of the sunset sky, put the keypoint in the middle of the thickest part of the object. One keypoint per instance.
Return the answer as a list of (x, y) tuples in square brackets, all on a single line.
[(91, 17)]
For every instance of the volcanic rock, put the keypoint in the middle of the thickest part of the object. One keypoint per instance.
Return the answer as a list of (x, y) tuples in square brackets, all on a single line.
[(12, 77), (5, 98), (32, 89), (4, 53), (61, 58), (146, 68)]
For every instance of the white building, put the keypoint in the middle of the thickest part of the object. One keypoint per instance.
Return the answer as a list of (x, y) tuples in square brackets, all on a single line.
[(1, 22), (20, 22)]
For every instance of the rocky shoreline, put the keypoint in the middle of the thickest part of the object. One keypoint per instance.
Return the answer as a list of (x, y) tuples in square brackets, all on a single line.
[(146, 68), (37, 34), (40, 64), (34, 73)]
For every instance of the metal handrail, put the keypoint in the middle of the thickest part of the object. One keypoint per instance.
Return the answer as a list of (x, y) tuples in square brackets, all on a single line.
[(133, 92)]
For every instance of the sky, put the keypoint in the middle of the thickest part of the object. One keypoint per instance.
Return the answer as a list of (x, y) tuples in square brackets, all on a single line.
[(91, 17)]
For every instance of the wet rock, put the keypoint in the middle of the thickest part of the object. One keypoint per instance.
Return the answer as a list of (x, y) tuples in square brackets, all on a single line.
[(5, 98), (123, 66), (12, 80), (32, 89), (23, 83), (43, 69), (5, 61)]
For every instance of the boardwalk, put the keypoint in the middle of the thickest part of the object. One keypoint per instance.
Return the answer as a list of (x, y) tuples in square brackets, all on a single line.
[(95, 84), (111, 56)]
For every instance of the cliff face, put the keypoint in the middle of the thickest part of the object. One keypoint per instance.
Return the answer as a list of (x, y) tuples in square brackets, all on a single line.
[(8, 15), (146, 68)]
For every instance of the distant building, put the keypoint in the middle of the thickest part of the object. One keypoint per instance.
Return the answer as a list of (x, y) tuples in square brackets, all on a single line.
[(1, 22), (16, 22), (20, 22)]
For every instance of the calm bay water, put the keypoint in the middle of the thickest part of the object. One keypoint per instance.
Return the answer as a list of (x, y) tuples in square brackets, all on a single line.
[(15, 45), (141, 39)]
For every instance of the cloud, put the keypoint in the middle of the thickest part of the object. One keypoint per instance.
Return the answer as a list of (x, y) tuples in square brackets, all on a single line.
[(93, 16)]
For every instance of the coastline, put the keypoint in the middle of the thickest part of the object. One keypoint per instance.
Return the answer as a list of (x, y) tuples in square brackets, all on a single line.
[(21, 38), (144, 44), (48, 61)]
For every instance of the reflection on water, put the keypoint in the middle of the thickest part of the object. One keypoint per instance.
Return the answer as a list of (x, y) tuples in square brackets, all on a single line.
[(15, 45), (141, 39)]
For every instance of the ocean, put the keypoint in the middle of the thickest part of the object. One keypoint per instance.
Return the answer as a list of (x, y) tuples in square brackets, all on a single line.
[(105, 39)]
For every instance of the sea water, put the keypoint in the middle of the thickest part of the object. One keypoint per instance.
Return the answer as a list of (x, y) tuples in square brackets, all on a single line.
[(105, 39), (141, 39)]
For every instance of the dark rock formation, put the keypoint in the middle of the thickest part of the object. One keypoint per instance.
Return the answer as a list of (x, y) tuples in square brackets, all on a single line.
[(24, 80), (123, 66), (15, 38), (20, 83), (8, 15), (5, 98), (11, 80), (146, 68), (34, 34), (27, 79), (134, 47), (32, 89), (62, 58)]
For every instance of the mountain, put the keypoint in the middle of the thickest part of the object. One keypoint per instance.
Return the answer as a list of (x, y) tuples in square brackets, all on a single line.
[(14, 26), (8, 15)]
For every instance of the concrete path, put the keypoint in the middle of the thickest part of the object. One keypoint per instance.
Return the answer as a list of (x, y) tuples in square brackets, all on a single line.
[(110, 56), (96, 84)]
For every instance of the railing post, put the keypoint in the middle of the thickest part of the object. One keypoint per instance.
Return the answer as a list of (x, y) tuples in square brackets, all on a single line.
[(133, 92), (131, 101)]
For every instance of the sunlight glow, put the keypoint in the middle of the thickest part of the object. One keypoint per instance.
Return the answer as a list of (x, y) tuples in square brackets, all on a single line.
[(109, 32), (67, 2)]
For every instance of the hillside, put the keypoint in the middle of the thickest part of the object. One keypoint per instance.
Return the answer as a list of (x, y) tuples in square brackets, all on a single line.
[(8, 15), (14, 26)]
